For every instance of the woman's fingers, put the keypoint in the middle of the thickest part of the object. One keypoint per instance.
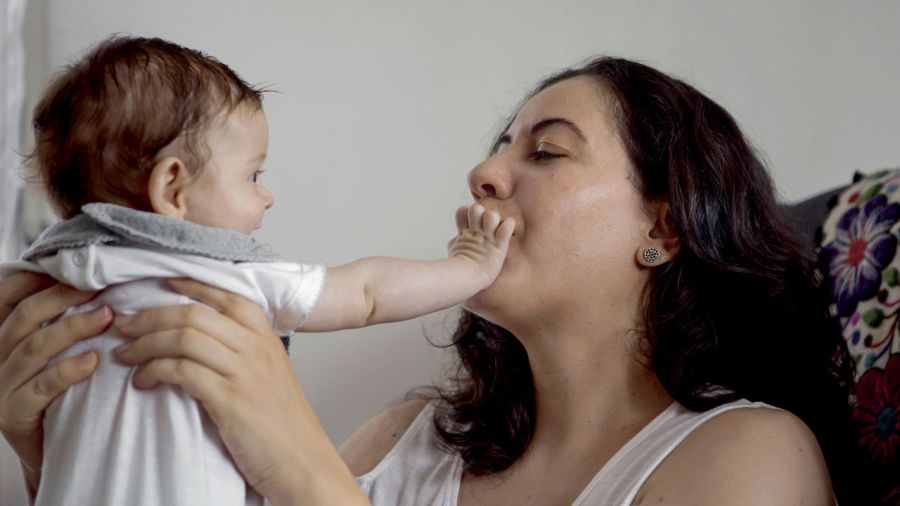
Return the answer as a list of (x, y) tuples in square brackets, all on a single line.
[(183, 343), (32, 312), (16, 287), (174, 318), (27, 385), (198, 381), (240, 309), (261, 412), (36, 349), (31, 399)]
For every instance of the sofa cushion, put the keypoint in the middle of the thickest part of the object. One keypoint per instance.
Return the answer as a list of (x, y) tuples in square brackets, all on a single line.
[(859, 254)]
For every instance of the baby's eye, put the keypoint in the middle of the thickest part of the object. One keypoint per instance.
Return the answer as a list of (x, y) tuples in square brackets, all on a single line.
[(256, 175)]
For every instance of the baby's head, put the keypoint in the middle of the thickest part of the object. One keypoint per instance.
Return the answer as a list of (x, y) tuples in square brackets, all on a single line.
[(153, 126)]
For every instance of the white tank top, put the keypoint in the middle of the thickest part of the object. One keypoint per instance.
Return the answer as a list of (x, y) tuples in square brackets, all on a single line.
[(417, 472)]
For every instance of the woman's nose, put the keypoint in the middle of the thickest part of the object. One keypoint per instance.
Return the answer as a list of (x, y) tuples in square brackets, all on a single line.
[(490, 179)]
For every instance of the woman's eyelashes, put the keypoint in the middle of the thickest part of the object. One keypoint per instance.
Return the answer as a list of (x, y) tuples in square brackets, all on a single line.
[(540, 156), (257, 174), (544, 152)]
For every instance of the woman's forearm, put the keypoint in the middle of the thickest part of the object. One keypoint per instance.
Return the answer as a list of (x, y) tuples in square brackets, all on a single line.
[(313, 472), (323, 484)]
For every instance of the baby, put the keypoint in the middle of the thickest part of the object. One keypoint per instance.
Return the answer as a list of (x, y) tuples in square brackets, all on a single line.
[(152, 154)]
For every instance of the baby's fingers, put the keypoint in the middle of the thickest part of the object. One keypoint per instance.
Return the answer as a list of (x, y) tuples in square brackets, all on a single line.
[(490, 221), (462, 218), (476, 212), (450, 244), (505, 230)]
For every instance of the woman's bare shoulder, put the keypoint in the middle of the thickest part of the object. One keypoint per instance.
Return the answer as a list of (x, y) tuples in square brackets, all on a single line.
[(743, 456), (365, 448)]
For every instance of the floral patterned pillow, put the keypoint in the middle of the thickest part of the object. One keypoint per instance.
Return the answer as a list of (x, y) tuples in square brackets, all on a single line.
[(859, 247)]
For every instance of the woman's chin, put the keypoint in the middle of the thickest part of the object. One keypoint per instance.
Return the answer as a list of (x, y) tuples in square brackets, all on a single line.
[(486, 304), (500, 301)]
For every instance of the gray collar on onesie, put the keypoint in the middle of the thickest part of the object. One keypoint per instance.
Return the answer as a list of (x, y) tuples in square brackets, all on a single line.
[(102, 223)]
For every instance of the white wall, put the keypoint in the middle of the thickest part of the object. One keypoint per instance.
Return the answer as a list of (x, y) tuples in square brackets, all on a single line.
[(384, 106)]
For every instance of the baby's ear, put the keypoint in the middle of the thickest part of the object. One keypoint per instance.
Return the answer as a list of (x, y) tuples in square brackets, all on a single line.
[(169, 180)]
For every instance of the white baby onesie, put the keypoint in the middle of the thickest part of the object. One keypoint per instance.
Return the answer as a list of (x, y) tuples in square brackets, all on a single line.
[(106, 442)]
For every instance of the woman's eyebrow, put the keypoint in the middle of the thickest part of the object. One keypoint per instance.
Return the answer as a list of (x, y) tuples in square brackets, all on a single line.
[(506, 138), (547, 123)]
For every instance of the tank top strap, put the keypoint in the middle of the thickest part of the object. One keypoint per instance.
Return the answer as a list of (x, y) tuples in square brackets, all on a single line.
[(620, 479), (416, 470)]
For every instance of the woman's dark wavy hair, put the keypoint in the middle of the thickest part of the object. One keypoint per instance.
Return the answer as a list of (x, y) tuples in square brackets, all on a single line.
[(739, 313)]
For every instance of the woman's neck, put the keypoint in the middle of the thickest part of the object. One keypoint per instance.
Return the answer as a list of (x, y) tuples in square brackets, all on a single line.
[(590, 381)]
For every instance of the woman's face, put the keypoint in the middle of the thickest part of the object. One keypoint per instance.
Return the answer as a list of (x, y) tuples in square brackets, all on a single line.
[(562, 172)]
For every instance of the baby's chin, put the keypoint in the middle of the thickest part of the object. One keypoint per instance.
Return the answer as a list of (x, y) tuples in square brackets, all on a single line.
[(248, 230)]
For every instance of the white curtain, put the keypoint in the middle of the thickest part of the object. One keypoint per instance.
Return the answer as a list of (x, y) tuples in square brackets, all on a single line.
[(12, 98), (12, 239)]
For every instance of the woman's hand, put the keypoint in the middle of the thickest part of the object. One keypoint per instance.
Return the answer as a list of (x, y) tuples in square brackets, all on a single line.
[(27, 386), (229, 359)]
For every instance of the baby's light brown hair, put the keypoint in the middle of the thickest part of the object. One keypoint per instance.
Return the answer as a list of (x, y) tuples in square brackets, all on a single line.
[(100, 125)]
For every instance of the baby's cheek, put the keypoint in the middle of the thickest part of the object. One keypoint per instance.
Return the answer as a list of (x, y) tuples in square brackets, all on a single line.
[(202, 216)]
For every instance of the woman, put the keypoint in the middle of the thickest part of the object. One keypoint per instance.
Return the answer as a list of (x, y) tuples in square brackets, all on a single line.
[(651, 287)]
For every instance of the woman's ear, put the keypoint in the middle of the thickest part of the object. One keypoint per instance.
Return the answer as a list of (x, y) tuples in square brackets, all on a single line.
[(661, 243), (169, 180)]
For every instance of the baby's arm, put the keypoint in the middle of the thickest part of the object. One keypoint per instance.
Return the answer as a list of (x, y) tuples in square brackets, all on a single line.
[(379, 289)]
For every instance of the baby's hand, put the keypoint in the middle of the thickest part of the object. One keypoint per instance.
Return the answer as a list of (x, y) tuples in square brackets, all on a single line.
[(483, 238)]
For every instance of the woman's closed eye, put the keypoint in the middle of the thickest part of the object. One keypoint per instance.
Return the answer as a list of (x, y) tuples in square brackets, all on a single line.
[(256, 175), (546, 152)]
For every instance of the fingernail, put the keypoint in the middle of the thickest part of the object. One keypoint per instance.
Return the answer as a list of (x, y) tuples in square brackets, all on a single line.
[(175, 282), (101, 313), (138, 379), (123, 320), (122, 350), (87, 359)]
